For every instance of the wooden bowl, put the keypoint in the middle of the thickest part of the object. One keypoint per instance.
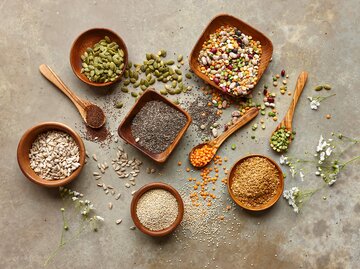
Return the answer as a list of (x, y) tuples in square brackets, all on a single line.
[(88, 39), (152, 186), (222, 20), (264, 206), (124, 129), (24, 148)]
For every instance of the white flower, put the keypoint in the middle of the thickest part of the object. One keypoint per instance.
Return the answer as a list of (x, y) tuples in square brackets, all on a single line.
[(292, 171), (301, 176), (322, 157), (328, 151), (314, 103), (332, 182), (99, 218), (321, 145), (290, 196), (282, 159), (87, 202), (74, 198), (91, 207), (76, 193)]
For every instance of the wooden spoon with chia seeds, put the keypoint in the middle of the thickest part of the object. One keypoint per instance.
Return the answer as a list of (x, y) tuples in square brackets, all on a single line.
[(92, 115), (286, 123), (216, 142)]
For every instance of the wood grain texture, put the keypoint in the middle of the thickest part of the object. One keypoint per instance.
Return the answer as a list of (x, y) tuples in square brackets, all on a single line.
[(300, 85), (87, 40), (222, 20), (269, 204), (124, 129), (26, 142), (80, 104), (152, 186), (247, 117)]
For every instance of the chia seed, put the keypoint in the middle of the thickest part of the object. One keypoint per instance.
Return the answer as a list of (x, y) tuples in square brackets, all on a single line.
[(156, 126)]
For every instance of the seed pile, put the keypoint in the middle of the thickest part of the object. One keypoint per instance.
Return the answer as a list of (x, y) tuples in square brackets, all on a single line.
[(280, 139), (255, 181), (231, 60), (156, 126), (202, 155), (156, 68), (203, 115), (54, 155), (94, 116), (157, 209), (103, 62)]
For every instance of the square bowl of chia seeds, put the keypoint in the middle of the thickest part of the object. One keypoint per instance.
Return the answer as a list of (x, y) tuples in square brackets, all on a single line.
[(231, 55), (154, 125)]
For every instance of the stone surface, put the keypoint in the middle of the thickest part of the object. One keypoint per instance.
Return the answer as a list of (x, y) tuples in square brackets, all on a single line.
[(318, 36)]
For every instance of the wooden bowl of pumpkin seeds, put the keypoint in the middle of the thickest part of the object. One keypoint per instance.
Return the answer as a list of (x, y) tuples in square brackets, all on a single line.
[(98, 57)]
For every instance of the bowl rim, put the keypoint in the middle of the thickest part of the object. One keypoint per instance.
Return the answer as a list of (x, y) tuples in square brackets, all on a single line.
[(207, 80), (279, 192), (176, 141), (47, 126), (85, 80), (152, 186)]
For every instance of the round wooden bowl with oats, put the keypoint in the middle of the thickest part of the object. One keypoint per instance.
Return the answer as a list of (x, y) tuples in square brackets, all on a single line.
[(26, 143), (255, 182)]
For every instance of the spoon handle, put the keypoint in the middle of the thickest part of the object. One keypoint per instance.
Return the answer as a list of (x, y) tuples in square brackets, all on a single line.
[(48, 73), (300, 84), (248, 116)]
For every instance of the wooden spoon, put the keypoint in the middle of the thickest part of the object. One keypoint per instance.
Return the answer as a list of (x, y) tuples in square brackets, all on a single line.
[(287, 121), (216, 142), (92, 114)]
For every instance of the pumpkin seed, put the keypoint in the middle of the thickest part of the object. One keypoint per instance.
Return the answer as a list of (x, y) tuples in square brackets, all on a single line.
[(318, 88), (188, 76), (119, 105), (171, 62), (179, 58), (327, 87), (163, 92), (178, 71), (124, 89), (134, 94)]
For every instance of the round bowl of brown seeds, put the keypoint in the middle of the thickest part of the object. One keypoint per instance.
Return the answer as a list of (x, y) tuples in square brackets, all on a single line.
[(157, 209), (51, 154), (98, 57), (255, 182)]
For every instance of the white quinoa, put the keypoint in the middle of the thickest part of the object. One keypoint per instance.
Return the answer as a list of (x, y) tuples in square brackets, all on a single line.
[(157, 209)]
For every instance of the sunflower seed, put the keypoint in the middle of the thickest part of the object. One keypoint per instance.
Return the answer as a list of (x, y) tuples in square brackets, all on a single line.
[(132, 228), (118, 196), (94, 157), (118, 221), (127, 185), (110, 205), (99, 184)]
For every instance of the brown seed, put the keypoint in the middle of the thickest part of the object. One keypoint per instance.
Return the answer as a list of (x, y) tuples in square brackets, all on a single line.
[(328, 116)]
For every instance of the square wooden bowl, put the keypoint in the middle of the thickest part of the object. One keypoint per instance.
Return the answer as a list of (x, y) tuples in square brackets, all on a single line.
[(124, 129), (223, 20)]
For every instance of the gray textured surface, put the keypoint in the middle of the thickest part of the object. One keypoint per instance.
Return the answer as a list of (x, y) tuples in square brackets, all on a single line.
[(318, 36)]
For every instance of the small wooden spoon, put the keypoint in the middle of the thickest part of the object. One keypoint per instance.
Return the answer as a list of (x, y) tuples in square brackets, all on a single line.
[(216, 142), (92, 114), (287, 121)]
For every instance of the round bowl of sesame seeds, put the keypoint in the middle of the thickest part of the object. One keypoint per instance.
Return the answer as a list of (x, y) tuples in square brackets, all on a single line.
[(51, 154), (157, 209), (255, 182)]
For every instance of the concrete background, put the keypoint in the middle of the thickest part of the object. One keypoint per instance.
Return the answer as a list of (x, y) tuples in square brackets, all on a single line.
[(318, 36)]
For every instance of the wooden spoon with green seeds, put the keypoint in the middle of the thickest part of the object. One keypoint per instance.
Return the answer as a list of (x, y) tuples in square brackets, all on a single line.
[(92, 114), (286, 123)]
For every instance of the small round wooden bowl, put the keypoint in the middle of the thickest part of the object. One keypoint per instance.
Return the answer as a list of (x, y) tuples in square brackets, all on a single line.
[(264, 206), (24, 148), (87, 40), (152, 186)]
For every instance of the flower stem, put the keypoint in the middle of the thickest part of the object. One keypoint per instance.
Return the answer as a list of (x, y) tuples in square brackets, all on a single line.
[(322, 98), (353, 159)]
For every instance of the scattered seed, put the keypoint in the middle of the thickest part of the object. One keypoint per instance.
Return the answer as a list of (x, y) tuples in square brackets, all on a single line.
[(110, 205), (118, 221), (94, 157)]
